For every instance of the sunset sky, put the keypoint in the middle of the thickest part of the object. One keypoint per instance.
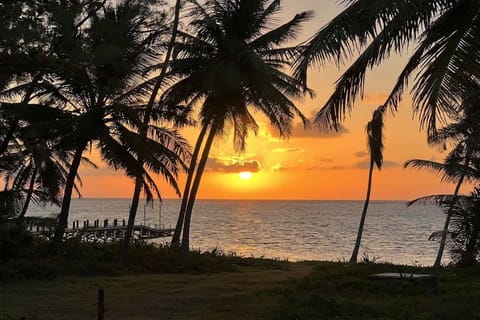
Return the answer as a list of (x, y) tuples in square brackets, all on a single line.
[(310, 164)]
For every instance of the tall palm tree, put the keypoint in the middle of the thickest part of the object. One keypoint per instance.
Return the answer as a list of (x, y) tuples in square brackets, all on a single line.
[(232, 62), (97, 86), (146, 120), (446, 35), (375, 148), (460, 164)]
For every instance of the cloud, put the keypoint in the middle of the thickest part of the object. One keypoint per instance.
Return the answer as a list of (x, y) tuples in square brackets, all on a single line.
[(99, 172), (365, 164), (233, 167), (312, 131), (376, 98), (278, 167), (299, 131), (287, 150), (361, 154), (326, 168)]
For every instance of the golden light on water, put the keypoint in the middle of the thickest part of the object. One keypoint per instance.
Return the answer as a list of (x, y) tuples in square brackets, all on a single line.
[(245, 175)]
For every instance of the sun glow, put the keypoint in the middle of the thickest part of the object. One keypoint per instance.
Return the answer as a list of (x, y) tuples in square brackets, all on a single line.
[(245, 175)]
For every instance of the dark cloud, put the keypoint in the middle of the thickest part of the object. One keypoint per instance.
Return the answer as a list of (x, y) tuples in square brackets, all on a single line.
[(326, 168), (365, 164), (361, 154), (375, 98), (312, 131), (99, 172), (236, 167), (287, 150)]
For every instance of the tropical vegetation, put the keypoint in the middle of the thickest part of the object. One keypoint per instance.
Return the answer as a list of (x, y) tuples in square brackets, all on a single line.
[(123, 78), (232, 63)]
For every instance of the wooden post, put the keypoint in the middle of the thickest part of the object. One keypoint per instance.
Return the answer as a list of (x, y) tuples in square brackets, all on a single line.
[(101, 304), (115, 222)]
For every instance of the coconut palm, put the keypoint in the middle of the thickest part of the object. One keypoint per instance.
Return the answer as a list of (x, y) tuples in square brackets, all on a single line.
[(446, 35), (462, 162), (231, 63), (178, 119), (28, 49), (375, 148), (97, 86), (464, 228)]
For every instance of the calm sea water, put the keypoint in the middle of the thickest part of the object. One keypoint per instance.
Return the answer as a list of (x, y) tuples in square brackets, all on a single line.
[(293, 230)]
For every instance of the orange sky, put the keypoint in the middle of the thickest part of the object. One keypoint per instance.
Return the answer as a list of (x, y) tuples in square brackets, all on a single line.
[(309, 165)]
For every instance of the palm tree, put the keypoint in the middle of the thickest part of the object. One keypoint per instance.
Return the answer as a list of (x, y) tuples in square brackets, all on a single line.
[(232, 62), (28, 50), (464, 226), (460, 164), (447, 36), (375, 148), (147, 118), (97, 86)]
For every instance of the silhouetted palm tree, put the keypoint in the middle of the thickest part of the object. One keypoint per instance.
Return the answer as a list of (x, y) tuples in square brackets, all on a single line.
[(375, 148), (464, 228), (178, 119), (463, 160), (97, 85), (446, 33), (233, 61)]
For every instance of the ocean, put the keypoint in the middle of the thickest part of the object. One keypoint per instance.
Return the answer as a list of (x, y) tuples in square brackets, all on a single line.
[(293, 230)]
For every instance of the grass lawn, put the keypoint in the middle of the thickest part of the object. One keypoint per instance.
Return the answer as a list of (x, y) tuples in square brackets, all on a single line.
[(300, 291), (343, 291), (251, 293)]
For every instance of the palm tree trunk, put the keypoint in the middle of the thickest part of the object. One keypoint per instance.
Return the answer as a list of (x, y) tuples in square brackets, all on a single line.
[(468, 257), (356, 249), (28, 198), (186, 191), (131, 218), (196, 184), (67, 198), (143, 131), (443, 240)]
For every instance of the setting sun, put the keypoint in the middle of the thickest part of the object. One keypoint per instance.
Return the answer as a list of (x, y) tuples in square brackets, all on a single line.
[(245, 175)]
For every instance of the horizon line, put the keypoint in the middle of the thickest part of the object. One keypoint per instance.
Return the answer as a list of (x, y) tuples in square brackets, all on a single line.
[(246, 199)]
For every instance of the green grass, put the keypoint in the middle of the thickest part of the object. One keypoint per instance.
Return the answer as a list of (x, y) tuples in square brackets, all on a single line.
[(250, 293), (342, 291), (257, 289)]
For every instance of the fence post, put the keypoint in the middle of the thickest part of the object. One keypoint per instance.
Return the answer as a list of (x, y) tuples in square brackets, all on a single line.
[(101, 304)]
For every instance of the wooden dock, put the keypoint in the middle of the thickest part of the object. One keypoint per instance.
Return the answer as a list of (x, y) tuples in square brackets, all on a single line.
[(105, 231)]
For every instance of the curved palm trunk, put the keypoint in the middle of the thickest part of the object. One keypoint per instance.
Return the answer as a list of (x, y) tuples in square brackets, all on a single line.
[(196, 184), (356, 249), (186, 191), (67, 199), (443, 240), (143, 132), (28, 198), (131, 218)]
